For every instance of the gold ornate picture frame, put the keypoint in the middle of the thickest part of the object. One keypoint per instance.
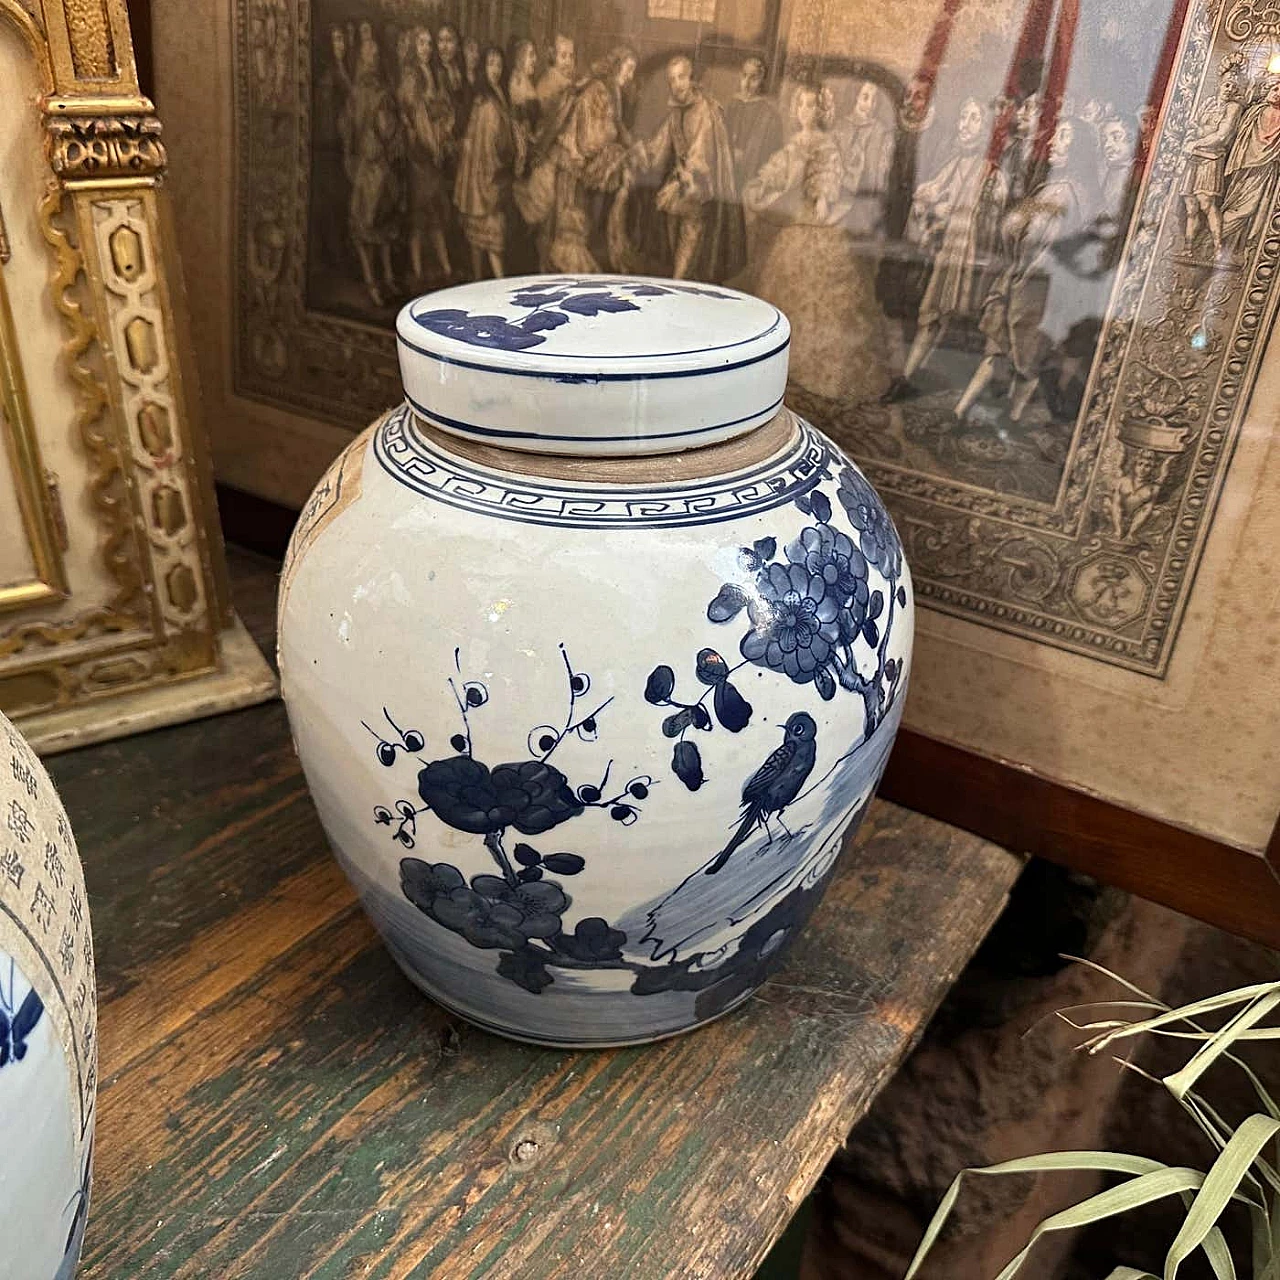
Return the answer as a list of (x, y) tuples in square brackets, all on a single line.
[(114, 612)]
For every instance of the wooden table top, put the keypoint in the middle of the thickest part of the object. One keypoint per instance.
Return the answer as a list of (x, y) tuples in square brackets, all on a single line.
[(277, 1100)]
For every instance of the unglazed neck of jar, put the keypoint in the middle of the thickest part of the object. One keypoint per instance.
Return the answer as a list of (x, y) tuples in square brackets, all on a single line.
[(728, 456), (593, 366)]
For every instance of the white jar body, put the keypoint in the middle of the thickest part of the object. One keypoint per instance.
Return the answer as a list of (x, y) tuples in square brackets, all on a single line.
[(588, 750), (48, 1024)]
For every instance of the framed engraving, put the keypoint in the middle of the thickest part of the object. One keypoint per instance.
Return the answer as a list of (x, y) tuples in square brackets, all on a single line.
[(1028, 249), (113, 611)]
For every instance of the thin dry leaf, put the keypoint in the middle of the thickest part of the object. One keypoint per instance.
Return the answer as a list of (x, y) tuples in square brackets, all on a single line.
[(1181, 1081), (1221, 1186), (1052, 1162), (1133, 1194), (1240, 1172)]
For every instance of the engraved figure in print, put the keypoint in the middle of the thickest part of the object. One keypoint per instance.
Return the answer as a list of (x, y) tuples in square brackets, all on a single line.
[(1016, 318), (1135, 495), (1206, 156), (487, 161), (269, 247), (698, 197), (1022, 166), (1252, 165), (535, 192), (954, 216), (1116, 145), (866, 149), (428, 116), (587, 160), (451, 77), (374, 149), (522, 91), (753, 122), (471, 65), (916, 110), (810, 271), (775, 784), (269, 39), (559, 77)]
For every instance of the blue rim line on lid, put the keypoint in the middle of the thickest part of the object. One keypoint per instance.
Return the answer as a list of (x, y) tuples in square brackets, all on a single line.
[(656, 355), (590, 378), (495, 433)]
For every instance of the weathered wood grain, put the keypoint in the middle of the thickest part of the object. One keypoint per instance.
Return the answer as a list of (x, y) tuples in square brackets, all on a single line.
[(278, 1101)]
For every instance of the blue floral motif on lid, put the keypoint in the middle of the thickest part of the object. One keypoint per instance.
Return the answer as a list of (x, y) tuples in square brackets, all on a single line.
[(550, 304)]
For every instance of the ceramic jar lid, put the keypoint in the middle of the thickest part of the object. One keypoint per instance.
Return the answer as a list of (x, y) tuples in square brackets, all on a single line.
[(593, 365)]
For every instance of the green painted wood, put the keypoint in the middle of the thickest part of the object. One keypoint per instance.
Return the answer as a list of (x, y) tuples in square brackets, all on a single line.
[(278, 1101)]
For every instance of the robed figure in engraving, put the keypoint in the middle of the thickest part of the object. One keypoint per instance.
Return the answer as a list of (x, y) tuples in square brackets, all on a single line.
[(698, 197), (1037, 298), (535, 190), (472, 72), (866, 149), (487, 161), (1206, 151), (558, 78), (955, 217), (1116, 151), (1252, 165), (451, 77), (522, 91), (810, 271), (587, 158), (330, 186), (753, 123), (428, 115), (374, 153)]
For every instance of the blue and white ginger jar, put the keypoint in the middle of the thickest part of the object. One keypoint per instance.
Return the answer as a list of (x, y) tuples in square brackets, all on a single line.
[(593, 653)]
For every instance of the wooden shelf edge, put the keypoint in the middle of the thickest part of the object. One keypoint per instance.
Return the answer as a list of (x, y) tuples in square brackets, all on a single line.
[(1201, 877)]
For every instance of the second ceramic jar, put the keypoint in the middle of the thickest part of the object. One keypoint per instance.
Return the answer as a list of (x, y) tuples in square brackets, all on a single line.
[(48, 1025), (592, 652)]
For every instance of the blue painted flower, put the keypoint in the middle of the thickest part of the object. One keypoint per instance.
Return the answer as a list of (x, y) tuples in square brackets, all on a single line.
[(867, 514), (489, 912), (793, 621), (479, 331), (833, 557)]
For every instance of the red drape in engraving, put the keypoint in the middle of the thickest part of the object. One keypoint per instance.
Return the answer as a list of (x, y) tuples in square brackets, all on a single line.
[(1055, 86), (1027, 52)]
